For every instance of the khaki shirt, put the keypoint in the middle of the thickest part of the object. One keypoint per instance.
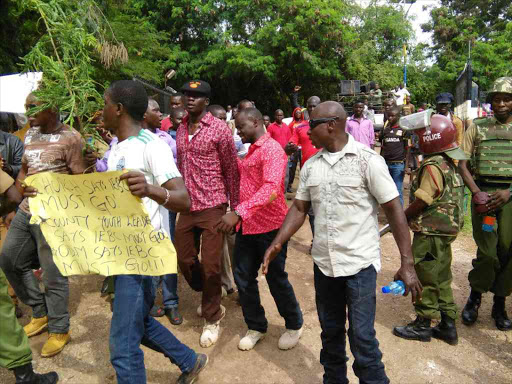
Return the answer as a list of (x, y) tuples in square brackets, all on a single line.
[(431, 185), (5, 182), (459, 125), (345, 190)]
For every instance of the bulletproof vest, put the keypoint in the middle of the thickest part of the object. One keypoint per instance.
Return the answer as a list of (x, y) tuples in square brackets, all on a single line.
[(493, 151), (445, 216)]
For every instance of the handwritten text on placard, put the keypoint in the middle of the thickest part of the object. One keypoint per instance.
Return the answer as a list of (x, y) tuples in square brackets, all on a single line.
[(94, 225)]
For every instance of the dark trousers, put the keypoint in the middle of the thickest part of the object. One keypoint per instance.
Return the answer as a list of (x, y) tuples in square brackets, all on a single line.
[(292, 166), (24, 249), (202, 275), (333, 296), (249, 252)]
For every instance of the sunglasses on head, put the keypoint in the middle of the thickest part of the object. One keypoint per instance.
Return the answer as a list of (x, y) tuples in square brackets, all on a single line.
[(315, 122)]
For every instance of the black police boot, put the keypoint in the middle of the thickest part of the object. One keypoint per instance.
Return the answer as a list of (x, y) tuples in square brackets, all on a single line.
[(419, 329), (470, 311), (500, 315), (26, 375), (446, 330)]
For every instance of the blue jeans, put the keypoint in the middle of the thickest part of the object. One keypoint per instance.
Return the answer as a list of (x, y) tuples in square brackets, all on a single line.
[(132, 325), (169, 282), (333, 296), (397, 172), (169, 289), (249, 252)]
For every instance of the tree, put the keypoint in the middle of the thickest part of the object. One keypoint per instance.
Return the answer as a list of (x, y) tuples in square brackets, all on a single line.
[(484, 27), (74, 39)]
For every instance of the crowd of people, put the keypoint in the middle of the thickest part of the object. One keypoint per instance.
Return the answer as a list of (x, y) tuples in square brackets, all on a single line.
[(216, 180)]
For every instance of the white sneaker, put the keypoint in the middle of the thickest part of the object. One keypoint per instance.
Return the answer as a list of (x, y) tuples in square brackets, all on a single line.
[(211, 331), (250, 339), (289, 339)]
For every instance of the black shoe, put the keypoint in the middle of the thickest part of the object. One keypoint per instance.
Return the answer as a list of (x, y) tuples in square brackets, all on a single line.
[(500, 315), (419, 329), (446, 330), (26, 375), (174, 316), (190, 377), (470, 311)]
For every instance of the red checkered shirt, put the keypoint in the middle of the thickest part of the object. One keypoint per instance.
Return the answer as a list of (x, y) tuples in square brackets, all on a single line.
[(208, 163), (262, 204)]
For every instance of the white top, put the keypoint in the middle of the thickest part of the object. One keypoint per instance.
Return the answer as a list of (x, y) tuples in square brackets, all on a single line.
[(345, 190), (400, 96), (150, 155)]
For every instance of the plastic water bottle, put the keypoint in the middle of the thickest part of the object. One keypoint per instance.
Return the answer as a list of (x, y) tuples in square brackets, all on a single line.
[(396, 288), (488, 223)]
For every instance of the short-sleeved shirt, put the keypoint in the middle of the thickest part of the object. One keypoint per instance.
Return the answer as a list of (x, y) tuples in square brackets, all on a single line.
[(345, 190), (394, 141), (5, 182), (59, 152), (431, 184), (148, 154)]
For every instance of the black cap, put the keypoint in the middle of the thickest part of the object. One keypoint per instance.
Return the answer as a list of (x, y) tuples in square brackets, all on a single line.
[(198, 86), (444, 98)]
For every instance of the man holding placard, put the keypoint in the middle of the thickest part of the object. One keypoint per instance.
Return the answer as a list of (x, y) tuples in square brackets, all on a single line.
[(50, 146), (154, 178)]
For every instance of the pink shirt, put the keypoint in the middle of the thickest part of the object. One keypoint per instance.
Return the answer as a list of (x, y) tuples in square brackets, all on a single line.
[(300, 137), (262, 203), (208, 163), (280, 133), (361, 130)]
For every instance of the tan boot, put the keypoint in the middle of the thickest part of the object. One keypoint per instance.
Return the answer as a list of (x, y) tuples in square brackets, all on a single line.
[(55, 344), (36, 326)]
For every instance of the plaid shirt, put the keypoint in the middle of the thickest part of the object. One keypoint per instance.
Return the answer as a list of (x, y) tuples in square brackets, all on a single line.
[(208, 163)]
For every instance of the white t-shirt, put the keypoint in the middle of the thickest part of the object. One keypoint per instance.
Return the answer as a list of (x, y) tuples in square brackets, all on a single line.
[(400, 98), (148, 154)]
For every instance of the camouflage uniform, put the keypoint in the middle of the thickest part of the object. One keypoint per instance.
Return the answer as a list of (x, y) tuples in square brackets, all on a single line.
[(490, 144), (434, 230), (14, 348)]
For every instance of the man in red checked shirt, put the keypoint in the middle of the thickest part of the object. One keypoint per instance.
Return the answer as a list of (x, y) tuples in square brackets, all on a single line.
[(207, 160), (258, 218)]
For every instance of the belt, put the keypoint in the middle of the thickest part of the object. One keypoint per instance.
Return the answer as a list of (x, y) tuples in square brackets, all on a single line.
[(394, 162)]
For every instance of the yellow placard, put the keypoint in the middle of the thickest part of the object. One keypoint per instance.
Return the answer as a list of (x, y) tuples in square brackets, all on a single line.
[(94, 225)]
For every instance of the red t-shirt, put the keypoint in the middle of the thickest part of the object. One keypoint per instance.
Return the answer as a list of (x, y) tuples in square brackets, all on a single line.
[(300, 137), (280, 133)]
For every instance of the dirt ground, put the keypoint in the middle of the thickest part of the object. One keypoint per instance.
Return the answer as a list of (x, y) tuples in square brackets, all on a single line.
[(483, 355)]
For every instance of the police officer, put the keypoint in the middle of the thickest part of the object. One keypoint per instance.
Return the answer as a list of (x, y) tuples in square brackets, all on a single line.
[(444, 102), (435, 217), (15, 353), (489, 143)]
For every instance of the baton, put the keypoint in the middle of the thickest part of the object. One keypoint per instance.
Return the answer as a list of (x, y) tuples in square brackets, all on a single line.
[(384, 230)]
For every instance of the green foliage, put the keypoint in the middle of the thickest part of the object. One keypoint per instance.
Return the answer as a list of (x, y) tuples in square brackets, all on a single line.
[(256, 49), (486, 26), (66, 53)]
